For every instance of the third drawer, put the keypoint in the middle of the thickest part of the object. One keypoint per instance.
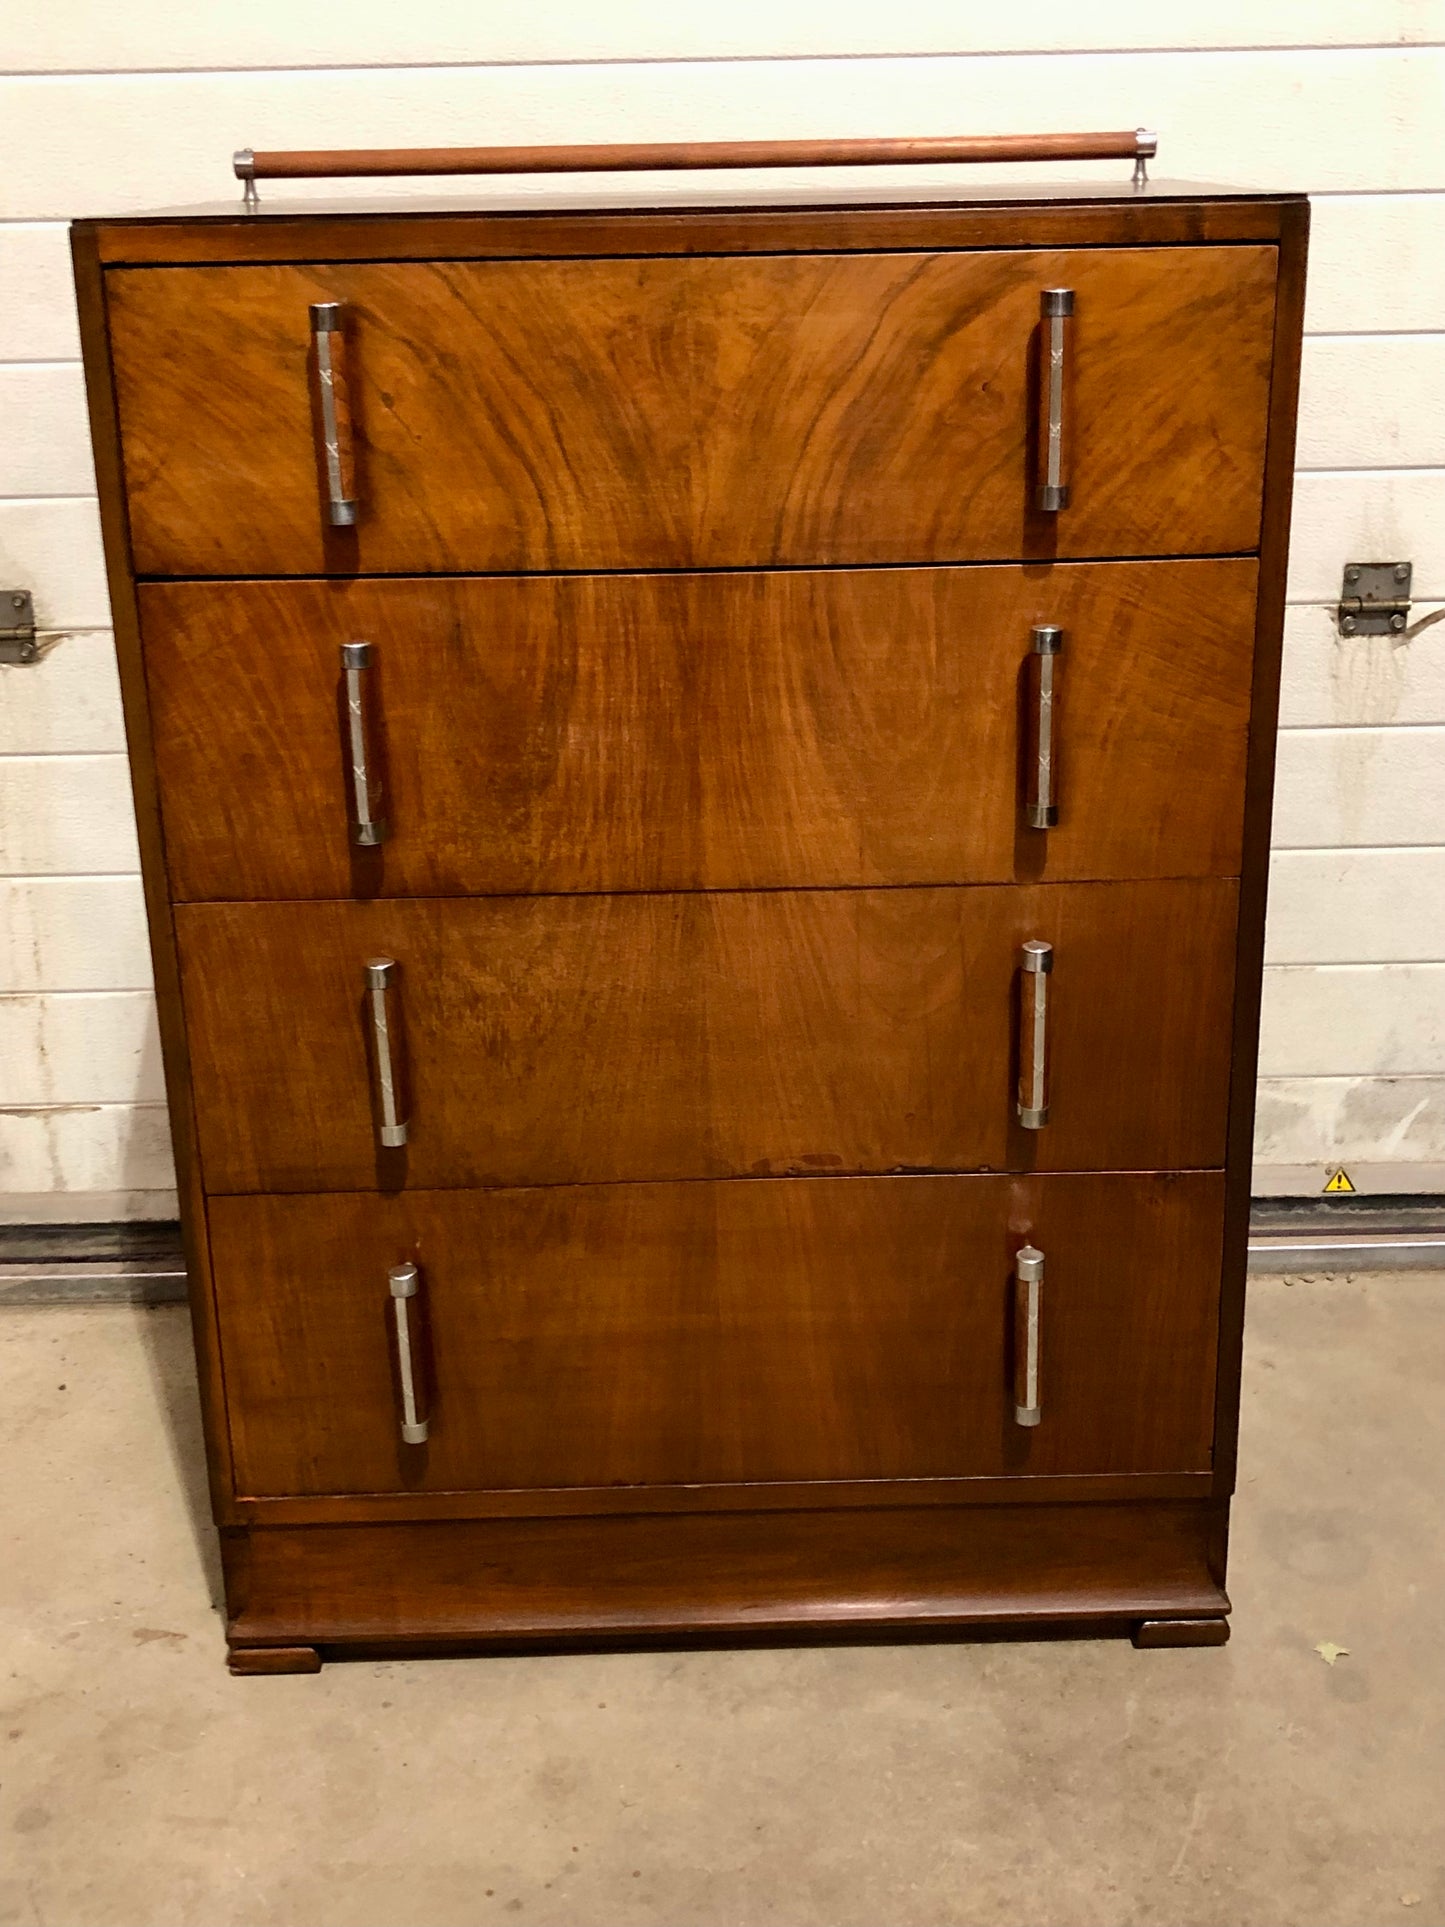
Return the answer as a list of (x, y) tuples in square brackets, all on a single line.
[(540, 1040)]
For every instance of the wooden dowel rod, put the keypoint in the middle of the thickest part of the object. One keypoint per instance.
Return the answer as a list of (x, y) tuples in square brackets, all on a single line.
[(665, 155)]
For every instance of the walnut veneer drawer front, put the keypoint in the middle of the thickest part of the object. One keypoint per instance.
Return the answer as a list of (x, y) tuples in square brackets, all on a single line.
[(684, 413), (700, 731), (542, 1040), (664, 1334)]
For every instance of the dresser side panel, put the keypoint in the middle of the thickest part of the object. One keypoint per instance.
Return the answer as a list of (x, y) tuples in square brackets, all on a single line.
[(1259, 808), (90, 291)]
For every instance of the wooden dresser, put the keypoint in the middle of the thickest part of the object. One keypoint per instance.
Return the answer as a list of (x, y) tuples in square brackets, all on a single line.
[(704, 785)]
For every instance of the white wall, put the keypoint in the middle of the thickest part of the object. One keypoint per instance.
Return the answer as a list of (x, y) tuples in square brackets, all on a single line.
[(107, 108)]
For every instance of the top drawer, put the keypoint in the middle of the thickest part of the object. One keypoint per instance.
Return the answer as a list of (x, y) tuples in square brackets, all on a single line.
[(691, 412)]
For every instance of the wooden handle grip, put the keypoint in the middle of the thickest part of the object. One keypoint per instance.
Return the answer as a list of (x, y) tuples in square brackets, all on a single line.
[(344, 163)]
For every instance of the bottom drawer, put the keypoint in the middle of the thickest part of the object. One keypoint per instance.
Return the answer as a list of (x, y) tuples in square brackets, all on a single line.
[(716, 1333)]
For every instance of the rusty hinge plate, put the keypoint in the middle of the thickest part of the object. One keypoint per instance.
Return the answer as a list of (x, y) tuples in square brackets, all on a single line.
[(1375, 598), (17, 626)]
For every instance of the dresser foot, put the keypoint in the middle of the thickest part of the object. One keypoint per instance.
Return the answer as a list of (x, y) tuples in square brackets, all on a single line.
[(1181, 1632), (247, 1662)]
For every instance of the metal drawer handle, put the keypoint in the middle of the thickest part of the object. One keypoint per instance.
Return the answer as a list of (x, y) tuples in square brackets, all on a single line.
[(1028, 1296), (1056, 312), (405, 1283), (381, 976), (1043, 757), (1037, 965), (330, 340), (368, 824)]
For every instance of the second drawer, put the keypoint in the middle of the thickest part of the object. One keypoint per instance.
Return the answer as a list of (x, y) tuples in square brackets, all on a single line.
[(701, 731), (546, 1040)]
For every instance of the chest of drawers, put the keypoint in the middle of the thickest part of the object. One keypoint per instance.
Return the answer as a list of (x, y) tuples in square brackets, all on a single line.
[(703, 779)]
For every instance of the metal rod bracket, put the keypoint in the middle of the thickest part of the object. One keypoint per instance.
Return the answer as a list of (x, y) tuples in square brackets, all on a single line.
[(1146, 146), (244, 162)]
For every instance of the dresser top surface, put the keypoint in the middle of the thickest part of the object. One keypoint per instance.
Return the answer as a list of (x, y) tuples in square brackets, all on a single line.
[(544, 195)]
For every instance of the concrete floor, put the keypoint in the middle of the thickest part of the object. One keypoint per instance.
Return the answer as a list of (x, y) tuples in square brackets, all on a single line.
[(1047, 1784)]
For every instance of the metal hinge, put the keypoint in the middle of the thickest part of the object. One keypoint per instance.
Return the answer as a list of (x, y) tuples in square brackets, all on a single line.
[(1375, 598), (17, 626)]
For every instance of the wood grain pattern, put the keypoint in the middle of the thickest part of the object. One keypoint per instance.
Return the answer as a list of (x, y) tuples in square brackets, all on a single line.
[(1259, 808), (1104, 215), (789, 1573), (568, 1039), (685, 389), (700, 732), (624, 1335), (777, 1495), (91, 308), (694, 413)]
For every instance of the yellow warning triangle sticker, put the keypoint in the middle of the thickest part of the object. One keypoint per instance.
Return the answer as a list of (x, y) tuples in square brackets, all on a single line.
[(1339, 1180)]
